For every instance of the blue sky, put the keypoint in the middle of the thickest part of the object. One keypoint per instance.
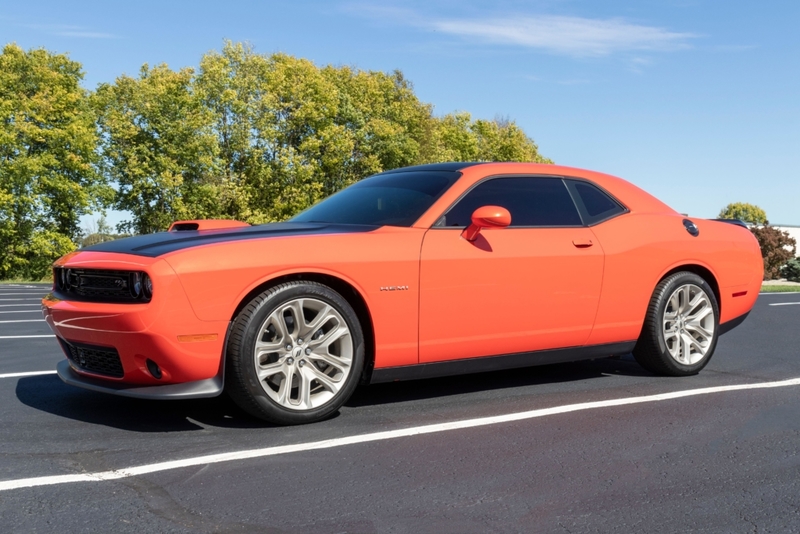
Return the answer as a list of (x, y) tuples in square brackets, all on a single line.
[(696, 101)]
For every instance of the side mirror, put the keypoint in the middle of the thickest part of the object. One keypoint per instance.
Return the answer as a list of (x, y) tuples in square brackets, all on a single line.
[(486, 217)]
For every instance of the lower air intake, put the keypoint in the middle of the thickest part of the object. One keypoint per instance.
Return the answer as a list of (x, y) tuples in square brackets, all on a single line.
[(98, 360)]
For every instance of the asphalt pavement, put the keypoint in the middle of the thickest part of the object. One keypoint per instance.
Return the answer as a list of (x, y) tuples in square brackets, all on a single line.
[(598, 446)]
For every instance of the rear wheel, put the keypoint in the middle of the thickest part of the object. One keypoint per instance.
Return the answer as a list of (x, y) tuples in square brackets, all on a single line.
[(295, 354), (681, 327)]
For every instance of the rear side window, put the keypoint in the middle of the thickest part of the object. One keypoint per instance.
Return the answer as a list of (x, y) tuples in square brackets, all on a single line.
[(595, 204), (531, 202)]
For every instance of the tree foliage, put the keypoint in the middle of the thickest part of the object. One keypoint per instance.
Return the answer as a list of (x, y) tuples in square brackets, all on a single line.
[(48, 177), (777, 248), (261, 137), (744, 212), (158, 148)]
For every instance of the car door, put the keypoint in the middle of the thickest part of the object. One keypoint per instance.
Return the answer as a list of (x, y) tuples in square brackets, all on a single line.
[(531, 286)]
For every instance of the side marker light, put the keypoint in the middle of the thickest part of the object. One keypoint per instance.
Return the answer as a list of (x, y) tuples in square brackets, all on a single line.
[(194, 338)]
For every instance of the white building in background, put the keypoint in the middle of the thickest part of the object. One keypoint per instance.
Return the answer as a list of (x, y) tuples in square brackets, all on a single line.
[(793, 231)]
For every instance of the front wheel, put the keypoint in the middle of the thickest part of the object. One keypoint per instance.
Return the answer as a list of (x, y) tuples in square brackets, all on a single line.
[(295, 354), (681, 327)]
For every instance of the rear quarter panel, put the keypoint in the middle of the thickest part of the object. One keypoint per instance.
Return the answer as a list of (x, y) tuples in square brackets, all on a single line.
[(642, 248)]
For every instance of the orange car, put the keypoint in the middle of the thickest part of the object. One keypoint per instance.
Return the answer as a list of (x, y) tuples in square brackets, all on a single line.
[(418, 272)]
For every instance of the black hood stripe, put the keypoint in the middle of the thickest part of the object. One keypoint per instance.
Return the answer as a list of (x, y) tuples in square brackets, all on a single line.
[(154, 245)]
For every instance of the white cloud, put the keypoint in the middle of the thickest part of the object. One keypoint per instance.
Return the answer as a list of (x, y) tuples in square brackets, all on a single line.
[(574, 36)]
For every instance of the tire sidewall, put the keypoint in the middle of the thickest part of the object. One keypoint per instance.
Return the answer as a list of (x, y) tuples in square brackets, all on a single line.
[(673, 284), (271, 409)]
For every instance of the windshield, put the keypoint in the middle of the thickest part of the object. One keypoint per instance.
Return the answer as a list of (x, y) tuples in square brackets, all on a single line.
[(393, 199)]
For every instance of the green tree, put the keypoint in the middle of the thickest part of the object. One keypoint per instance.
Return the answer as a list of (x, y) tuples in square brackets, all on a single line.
[(777, 248), (744, 212), (158, 148), (261, 137), (456, 137), (48, 142)]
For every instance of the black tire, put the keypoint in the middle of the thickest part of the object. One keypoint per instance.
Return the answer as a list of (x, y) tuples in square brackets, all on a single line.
[(241, 379), (652, 349)]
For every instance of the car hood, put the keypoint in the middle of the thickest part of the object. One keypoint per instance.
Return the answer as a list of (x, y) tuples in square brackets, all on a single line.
[(154, 245)]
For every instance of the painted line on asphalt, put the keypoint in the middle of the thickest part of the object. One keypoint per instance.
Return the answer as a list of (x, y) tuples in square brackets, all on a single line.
[(21, 311), (128, 472), (785, 304), (23, 321), (14, 300), (780, 293), (15, 305), (30, 373), (30, 294), (27, 337)]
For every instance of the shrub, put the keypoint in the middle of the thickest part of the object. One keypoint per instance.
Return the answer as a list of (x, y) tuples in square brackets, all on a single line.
[(791, 271), (777, 248)]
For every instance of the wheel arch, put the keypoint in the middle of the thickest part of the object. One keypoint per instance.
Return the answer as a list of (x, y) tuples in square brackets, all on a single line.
[(345, 289)]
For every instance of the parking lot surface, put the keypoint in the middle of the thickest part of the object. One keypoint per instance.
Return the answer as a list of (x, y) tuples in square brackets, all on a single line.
[(598, 446)]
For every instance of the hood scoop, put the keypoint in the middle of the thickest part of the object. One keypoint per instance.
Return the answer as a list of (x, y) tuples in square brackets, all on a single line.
[(205, 224)]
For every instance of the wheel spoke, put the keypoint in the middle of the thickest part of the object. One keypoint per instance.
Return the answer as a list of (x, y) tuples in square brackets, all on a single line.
[(285, 389), (327, 382), (685, 298), (339, 363), (697, 328), (330, 337), (266, 371), (304, 389), (700, 315), (296, 309), (322, 316)]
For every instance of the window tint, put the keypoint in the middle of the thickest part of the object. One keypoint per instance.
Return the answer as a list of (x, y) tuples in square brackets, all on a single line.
[(531, 202), (392, 199), (595, 204)]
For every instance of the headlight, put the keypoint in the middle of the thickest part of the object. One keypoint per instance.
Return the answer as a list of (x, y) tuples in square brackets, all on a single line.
[(147, 286), (136, 285)]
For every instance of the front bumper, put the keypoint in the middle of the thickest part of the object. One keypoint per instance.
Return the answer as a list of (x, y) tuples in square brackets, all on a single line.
[(120, 341), (210, 387)]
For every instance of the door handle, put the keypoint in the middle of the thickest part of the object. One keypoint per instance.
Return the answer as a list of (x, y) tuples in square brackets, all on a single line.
[(582, 243)]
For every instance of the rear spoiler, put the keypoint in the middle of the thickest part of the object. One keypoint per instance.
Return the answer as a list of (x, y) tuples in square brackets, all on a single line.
[(205, 224), (737, 222)]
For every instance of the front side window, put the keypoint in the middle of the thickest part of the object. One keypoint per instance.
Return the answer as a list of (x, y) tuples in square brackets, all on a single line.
[(531, 202), (391, 199)]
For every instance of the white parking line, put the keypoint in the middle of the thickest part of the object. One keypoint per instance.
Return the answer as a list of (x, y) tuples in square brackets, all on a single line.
[(27, 337), (376, 436), (30, 294), (30, 373), (24, 321), (785, 304), (15, 305), (13, 300), (22, 311)]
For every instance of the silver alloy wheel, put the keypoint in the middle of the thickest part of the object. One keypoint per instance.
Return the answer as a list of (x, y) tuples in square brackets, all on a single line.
[(688, 324), (303, 353)]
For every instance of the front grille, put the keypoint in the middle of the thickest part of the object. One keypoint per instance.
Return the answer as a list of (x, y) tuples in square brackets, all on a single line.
[(99, 285), (98, 360)]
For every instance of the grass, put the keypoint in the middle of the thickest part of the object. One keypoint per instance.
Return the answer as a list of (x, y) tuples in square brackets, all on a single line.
[(780, 289)]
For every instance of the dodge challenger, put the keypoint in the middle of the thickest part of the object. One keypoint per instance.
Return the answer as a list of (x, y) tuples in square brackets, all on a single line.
[(417, 272)]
